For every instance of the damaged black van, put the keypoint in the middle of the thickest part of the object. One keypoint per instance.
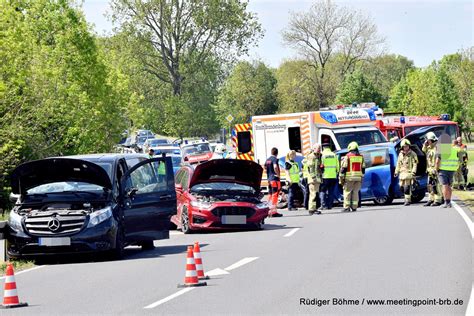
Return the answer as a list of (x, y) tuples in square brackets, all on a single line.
[(92, 203)]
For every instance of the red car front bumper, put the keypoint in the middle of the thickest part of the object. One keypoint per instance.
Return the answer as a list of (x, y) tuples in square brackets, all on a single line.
[(212, 218)]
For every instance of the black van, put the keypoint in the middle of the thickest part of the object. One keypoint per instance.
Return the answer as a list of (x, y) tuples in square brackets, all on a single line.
[(91, 203)]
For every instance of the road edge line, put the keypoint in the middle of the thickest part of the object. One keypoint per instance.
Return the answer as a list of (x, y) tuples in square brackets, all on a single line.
[(470, 226), (23, 271)]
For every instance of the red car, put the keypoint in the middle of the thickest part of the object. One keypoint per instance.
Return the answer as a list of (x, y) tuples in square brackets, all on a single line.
[(196, 153), (219, 194)]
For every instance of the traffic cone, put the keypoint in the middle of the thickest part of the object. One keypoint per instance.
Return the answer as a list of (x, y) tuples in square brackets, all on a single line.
[(10, 297), (198, 260), (191, 277)]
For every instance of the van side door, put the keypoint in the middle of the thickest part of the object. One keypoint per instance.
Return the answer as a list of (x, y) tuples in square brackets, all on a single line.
[(149, 199)]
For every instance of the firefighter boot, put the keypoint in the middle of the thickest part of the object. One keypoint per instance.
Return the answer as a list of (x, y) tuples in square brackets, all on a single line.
[(429, 203)]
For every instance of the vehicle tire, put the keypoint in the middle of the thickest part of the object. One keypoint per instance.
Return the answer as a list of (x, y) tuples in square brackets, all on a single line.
[(185, 221), (118, 252), (384, 200), (147, 245)]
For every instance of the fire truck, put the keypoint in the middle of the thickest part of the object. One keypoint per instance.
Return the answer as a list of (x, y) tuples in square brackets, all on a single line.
[(397, 127)]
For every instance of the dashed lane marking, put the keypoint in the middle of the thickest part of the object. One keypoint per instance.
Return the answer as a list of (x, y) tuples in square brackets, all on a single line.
[(240, 263), (291, 232), (217, 272), (169, 298)]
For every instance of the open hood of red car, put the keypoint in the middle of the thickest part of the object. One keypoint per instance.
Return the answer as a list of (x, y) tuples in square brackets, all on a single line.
[(228, 170), (34, 173)]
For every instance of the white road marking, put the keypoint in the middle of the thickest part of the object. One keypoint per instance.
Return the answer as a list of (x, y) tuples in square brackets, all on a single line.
[(470, 225), (291, 232), (468, 221), (169, 298), (23, 271), (240, 263), (216, 272), (174, 233)]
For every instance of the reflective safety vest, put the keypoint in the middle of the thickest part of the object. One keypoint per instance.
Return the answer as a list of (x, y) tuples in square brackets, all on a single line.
[(162, 169), (329, 161), (451, 162), (354, 166), (294, 172)]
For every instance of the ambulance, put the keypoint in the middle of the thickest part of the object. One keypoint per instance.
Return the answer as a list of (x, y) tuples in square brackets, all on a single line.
[(300, 131)]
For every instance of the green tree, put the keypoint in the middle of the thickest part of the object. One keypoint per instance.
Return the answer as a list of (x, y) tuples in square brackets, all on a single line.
[(296, 87), (357, 88), (385, 72), (173, 34), (56, 98), (248, 91)]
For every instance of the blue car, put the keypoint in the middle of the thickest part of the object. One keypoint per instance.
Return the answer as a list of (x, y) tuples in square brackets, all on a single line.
[(379, 184)]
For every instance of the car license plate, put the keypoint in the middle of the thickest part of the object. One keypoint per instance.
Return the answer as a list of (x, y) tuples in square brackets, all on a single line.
[(234, 219), (54, 241)]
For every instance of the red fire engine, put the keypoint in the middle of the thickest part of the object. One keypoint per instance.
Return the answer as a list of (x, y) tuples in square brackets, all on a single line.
[(400, 126)]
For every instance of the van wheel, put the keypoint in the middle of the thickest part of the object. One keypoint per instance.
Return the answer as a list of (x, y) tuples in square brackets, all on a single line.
[(118, 252), (147, 245), (185, 221)]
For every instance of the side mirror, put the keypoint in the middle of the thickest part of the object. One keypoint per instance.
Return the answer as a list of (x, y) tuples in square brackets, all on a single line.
[(14, 197)]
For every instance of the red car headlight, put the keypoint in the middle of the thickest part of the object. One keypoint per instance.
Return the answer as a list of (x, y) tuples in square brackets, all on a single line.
[(201, 205), (262, 206)]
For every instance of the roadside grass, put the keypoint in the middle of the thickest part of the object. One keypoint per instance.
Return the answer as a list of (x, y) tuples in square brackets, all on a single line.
[(467, 197), (18, 265)]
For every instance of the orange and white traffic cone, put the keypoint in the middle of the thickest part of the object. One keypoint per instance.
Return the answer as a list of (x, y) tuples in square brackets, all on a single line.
[(10, 297), (191, 277), (198, 261)]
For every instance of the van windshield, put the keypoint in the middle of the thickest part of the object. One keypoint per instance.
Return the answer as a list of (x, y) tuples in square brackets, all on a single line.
[(361, 137)]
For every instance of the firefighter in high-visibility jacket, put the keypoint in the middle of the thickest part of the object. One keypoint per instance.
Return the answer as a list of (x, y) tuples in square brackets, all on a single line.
[(350, 177), (406, 168), (434, 187), (330, 168), (313, 163), (293, 179)]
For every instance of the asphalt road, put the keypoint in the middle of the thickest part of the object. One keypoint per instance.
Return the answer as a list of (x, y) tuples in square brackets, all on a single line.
[(378, 253)]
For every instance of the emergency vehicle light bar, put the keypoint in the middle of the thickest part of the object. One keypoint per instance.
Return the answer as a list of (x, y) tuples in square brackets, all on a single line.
[(329, 117)]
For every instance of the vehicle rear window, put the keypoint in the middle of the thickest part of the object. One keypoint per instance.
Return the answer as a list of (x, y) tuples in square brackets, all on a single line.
[(449, 129), (361, 137)]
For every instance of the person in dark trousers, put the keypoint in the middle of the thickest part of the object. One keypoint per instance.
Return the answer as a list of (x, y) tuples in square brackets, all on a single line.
[(274, 185), (292, 178), (330, 169)]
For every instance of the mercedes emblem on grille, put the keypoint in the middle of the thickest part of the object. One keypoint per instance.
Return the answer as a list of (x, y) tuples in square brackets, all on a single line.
[(54, 224)]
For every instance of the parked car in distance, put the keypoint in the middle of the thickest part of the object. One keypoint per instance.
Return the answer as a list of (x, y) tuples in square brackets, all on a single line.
[(219, 194), (91, 203), (196, 152), (154, 143)]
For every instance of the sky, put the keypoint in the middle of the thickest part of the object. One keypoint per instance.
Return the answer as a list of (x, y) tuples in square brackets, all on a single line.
[(421, 30)]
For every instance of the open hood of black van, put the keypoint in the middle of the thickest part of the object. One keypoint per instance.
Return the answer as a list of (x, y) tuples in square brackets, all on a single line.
[(38, 172)]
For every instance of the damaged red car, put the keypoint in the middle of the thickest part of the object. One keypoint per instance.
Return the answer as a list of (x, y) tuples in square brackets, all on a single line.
[(219, 194)]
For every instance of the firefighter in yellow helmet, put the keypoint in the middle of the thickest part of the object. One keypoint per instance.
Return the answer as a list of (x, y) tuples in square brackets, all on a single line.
[(351, 175), (434, 187), (406, 169)]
